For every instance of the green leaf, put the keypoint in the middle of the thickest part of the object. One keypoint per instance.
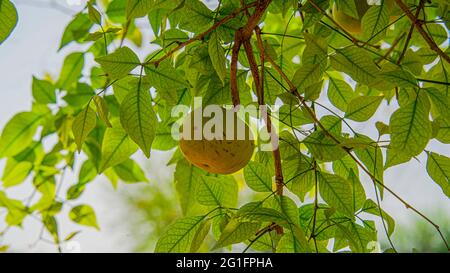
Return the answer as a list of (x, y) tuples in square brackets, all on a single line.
[(163, 139), (316, 50), (438, 167), (288, 208), (138, 8), (237, 232), (195, 16), (43, 91), (217, 191), (116, 148), (358, 193), (311, 14), (71, 235), (363, 108), (443, 134), (84, 215), (348, 7), (137, 116), (18, 133), (337, 192), (358, 237), (217, 55), (355, 62), (165, 77), (16, 210), (8, 19), (179, 236), (187, 178), (400, 78), (102, 110), (71, 71), (218, 93), (345, 166), (170, 38), (323, 147), (94, 14), (83, 124), (340, 93), (372, 208), (119, 63), (80, 96), (129, 171), (15, 172), (411, 127), (293, 241), (52, 227), (260, 214), (299, 176), (257, 177), (382, 128), (440, 102), (87, 172), (374, 23), (435, 30), (395, 157), (76, 30), (200, 235), (372, 157), (115, 11), (263, 243), (414, 62), (307, 75)]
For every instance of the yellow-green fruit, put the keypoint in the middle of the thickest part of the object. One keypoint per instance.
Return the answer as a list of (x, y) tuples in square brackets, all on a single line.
[(352, 24), (220, 150)]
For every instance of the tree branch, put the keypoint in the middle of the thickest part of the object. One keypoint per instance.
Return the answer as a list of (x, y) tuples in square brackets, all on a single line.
[(418, 24), (233, 70), (202, 35), (408, 38), (293, 90)]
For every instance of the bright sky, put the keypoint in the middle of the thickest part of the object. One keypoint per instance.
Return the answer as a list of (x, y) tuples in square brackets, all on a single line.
[(32, 50)]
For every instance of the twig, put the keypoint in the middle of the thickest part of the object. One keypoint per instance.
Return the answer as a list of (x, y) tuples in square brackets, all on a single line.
[(418, 25), (408, 38), (125, 32), (293, 90), (233, 70), (316, 207), (203, 34), (393, 46)]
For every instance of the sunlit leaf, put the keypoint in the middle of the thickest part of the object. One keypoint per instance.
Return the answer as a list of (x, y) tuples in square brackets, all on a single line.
[(179, 236), (362, 108), (116, 148), (18, 133), (217, 55), (438, 167), (83, 124), (411, 127), (71, 70), (137, 116), (8, 19), (119, 63), (257, 177), (84, 215)]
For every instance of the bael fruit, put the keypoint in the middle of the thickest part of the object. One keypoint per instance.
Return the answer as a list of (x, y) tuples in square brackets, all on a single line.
[(352, 24), (224, 150)]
